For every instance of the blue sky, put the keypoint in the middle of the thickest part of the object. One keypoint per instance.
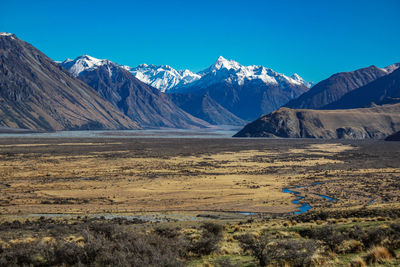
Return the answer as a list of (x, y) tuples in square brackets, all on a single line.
[(312, 38)]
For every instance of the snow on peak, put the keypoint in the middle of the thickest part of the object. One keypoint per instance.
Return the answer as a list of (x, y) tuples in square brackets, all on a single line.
[(224, 70), (167, 79), (163, 77), (67, 60), (83, 63), (389, 69), (297, 79), (223, 63), (5, 34)]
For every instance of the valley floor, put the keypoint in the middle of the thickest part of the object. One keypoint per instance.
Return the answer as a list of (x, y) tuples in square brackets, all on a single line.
[(244, 184), (92, 176)]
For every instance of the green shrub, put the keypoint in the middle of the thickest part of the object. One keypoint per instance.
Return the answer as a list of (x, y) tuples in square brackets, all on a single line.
[(210, 237)]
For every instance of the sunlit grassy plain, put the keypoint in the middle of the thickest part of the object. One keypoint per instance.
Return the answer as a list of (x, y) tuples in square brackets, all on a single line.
[(185, 182)]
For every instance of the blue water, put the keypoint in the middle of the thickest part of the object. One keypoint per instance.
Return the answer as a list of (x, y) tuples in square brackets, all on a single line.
[(304, 207), (330, 199)]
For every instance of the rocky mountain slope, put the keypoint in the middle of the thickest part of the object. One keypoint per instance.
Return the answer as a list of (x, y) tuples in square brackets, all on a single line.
[(336, 86), (384, 90), (139, 101), (365, 123), (37, 94)]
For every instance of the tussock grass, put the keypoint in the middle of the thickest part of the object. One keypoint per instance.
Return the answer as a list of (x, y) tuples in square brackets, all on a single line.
[(378, 254)]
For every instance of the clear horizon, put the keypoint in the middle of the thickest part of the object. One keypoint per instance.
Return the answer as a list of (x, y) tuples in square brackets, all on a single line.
[(314, 39)]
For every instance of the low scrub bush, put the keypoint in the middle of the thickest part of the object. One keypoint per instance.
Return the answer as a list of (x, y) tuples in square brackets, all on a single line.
[(256, 245), (210, 237), (104, 244), (329, 235), (378, 255), (281, 252)]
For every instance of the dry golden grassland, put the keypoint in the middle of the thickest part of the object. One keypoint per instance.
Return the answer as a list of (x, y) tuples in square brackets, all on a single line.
[(172, 186), (134, 175)]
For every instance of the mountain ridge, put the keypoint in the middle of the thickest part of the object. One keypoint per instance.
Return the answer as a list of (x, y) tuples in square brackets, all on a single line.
[(383, 90), (337, 85), (231, 71), (163, 77), (38, 94)]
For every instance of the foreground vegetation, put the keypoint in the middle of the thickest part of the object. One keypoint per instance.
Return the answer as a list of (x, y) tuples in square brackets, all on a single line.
[(369, 240)]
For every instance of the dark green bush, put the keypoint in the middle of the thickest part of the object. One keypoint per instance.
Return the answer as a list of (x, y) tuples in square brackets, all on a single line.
[(329, 235), (210, 237)]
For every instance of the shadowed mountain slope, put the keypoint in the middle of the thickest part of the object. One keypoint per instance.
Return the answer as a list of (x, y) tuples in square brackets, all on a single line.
[(336, 86), (36, 93), (206, 108), (384, 90)]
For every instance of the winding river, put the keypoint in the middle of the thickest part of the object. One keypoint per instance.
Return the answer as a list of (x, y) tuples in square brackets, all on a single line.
[(304, 207)]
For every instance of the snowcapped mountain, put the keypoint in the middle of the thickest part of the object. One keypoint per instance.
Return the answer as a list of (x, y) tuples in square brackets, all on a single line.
[(163, 77), (142, 103), (84, 63), (167, 79), (232, 72), (245, 91)]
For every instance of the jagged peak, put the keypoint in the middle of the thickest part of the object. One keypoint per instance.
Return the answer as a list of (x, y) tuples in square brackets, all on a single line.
[(222, 62), (6, 34), (163, 77), (67, 60), (84, 62), (296, 76), (389, 69)]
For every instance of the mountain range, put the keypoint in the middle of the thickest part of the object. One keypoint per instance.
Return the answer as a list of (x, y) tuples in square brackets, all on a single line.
[(245, 91), (144, 104), (38, 94), (167, 79), (225, 93), (370, 109)]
